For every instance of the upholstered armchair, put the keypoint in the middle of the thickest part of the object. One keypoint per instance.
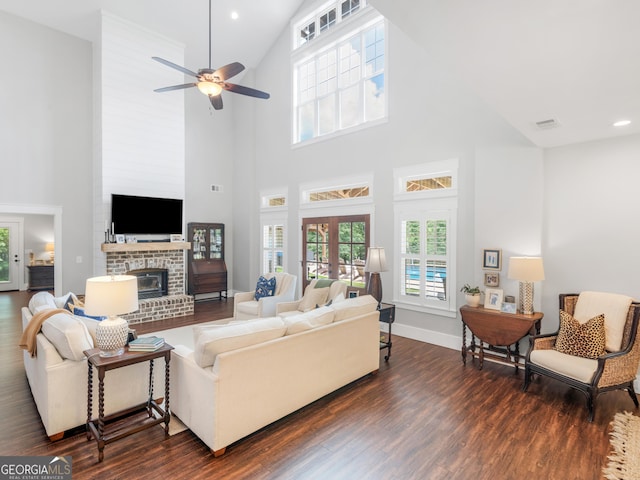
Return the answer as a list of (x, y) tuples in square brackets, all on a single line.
[(246, 306), (583, 354), (318, 292)]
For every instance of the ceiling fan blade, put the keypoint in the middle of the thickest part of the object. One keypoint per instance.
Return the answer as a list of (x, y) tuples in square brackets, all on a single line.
[(216, 101), (177, 67), (175, 87), (252, 92), (228, 71)]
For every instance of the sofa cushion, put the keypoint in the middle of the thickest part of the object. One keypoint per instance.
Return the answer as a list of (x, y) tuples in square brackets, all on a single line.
[(214, 341), (68, 334), (354, 307), (615, 308), (313, 297), (41, 301), (581, 339), (309, 320), (265, 287)]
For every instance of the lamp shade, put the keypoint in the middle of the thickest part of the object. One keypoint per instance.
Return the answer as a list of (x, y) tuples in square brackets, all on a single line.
[(526, 269), (111, 295), (49, 247), (376, 260)]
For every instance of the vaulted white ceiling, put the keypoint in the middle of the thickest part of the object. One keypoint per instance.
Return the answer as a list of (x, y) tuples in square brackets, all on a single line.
[(574, 61)]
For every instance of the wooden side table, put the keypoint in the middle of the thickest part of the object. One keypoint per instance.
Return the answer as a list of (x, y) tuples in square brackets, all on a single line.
[(498, 331), (388, 316), (98, 428)]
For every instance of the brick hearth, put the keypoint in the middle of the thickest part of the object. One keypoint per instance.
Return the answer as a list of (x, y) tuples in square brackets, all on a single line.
[(122, 258)]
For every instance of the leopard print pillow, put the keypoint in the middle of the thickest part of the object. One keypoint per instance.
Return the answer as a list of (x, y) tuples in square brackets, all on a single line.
[(581, 339)]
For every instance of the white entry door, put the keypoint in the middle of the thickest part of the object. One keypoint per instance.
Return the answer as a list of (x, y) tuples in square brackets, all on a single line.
[(10, 263)]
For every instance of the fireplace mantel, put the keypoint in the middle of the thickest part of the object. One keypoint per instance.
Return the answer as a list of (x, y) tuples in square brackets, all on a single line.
[(145, 246)]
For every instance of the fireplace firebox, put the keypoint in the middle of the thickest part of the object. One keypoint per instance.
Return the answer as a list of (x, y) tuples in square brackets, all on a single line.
[(152, 282)]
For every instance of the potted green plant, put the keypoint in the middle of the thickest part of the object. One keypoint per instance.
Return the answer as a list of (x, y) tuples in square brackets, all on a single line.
[(471, 295)]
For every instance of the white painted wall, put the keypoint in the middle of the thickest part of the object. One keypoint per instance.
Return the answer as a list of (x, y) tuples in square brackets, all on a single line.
[(46, 136), (432, 116), (591, 214)]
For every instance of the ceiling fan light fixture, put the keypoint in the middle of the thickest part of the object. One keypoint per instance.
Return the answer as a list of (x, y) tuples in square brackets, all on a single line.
[(209, 88)]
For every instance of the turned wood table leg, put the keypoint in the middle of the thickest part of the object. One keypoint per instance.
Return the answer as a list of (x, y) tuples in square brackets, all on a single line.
[(89, 399), (464, 344)]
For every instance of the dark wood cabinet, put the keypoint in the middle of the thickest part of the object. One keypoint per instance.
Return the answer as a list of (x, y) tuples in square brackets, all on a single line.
[(207, 268), (40, 277)]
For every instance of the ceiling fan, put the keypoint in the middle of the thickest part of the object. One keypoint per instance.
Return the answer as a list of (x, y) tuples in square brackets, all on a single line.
[(211, 82)]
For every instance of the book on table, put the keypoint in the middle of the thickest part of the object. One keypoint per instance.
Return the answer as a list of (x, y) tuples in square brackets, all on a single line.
[(146, 344)]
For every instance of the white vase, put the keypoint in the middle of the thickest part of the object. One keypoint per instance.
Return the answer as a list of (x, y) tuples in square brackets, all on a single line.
[(472, 300)]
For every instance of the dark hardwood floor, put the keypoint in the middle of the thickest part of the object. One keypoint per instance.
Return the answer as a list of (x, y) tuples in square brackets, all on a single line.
[(423, 416)]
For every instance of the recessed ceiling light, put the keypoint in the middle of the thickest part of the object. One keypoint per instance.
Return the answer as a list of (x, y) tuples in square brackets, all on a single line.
[(622, 123), (234, 15)]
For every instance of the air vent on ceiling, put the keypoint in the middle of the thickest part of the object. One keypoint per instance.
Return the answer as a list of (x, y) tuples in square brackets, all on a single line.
[(546, 124), (216, 188)]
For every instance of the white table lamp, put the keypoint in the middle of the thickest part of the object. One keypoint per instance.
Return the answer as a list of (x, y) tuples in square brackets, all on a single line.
[(111, 295), (376, 263), (527, 270)]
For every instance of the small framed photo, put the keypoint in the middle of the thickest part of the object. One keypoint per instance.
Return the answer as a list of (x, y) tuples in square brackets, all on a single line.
[(175, 237), (491, 279), (353, 293), (493, 298), (119, 238), (132, 239), (492, 259), (508, 307)]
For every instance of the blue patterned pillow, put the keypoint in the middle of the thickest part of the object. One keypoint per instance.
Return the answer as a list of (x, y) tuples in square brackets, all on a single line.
[(265, 287)]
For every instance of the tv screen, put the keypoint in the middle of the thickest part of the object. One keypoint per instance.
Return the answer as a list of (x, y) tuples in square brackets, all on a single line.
[(133, 215)]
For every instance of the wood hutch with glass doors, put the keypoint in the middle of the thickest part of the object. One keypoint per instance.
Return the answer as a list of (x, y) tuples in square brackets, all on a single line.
[(207, 269)]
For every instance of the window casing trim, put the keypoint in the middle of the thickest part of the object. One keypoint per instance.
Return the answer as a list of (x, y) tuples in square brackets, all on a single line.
[(356, 181)]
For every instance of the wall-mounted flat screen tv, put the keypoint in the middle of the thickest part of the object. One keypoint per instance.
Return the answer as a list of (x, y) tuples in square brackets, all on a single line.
[(133, 215)]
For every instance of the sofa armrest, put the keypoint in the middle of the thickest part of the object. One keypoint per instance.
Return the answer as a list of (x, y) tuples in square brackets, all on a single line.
[(267, 305), (287, 307), (241, 297)]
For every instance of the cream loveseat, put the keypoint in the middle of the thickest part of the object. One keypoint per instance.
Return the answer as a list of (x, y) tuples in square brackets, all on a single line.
[(57, 374), (236, 378)]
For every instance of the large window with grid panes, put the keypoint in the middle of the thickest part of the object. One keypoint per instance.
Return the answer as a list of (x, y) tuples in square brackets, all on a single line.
[(425, 218), (339, 63)]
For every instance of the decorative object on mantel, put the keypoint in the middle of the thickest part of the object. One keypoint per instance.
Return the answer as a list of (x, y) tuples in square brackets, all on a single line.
[(527, 270), (212, 82), (471, 295), (111, 295), (376, 263)]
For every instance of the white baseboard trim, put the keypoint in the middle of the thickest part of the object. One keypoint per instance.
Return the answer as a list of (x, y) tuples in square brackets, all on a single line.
[(428, 336)]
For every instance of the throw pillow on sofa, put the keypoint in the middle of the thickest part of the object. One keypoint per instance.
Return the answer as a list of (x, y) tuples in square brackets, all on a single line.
[(214, 341), (41, 301), (265, 287), (68, 334), (313, 297)]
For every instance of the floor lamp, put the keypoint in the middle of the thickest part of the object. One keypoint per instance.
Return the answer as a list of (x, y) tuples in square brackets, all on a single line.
[(376, 263), (527, 270)]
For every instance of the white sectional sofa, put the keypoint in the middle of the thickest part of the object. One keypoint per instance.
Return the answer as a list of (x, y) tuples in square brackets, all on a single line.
[(57, 375), (228, 381)]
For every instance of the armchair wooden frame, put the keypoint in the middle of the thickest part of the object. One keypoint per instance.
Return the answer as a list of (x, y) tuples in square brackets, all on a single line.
[(615, 371)]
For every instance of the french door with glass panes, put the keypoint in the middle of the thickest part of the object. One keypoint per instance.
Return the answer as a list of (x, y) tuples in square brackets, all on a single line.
[(9, 256), (335, 247)]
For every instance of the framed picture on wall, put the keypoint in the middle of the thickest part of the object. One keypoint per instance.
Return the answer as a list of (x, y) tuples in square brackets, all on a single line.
[(491, 279), (493, 298), (492, 259)]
